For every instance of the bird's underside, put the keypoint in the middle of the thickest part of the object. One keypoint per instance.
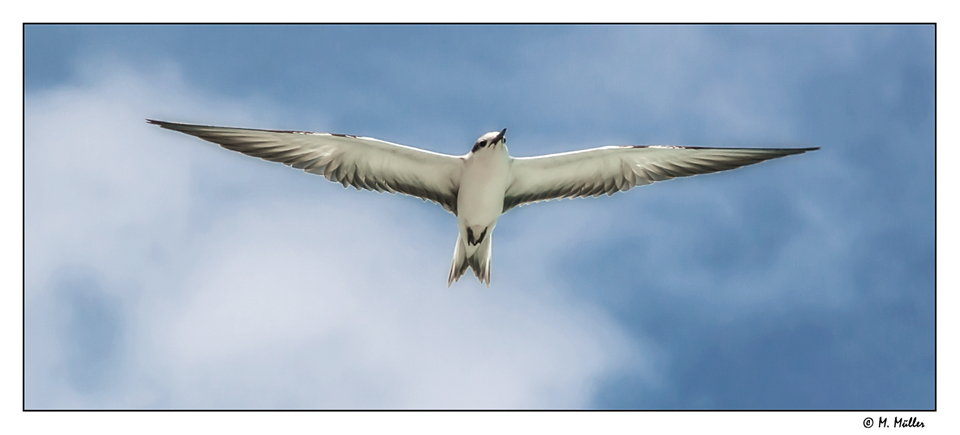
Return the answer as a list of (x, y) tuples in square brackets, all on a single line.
[(367, 163)]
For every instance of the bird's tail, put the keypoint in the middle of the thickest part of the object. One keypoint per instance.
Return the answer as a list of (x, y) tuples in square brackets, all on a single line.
[(459, 264), (479, 261)]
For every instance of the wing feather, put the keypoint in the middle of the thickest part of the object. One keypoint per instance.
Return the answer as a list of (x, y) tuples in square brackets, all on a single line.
[(361, 162), (614, 169)]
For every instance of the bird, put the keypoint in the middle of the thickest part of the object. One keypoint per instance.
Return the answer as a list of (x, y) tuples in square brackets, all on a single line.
[(483, 184)]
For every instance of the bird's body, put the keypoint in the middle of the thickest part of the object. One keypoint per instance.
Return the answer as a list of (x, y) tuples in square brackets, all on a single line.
[(483, 184), (486, 175)]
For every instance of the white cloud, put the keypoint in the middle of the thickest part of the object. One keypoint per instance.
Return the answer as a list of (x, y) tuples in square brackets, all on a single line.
[(230, 294)]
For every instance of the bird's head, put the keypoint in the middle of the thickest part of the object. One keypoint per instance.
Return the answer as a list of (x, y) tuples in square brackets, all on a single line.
[(490, 140)]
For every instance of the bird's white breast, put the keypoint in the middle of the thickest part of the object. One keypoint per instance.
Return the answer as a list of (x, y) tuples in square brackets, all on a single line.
[(482, 186)]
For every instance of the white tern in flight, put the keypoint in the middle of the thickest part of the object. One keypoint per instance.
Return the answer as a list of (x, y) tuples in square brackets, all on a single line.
[(483, 184)]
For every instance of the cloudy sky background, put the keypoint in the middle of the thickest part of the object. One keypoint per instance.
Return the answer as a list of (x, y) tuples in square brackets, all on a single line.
[(164, 272)]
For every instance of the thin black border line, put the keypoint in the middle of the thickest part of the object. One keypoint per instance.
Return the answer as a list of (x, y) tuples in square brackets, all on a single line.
[(467, 23), (934, 217), (23, 218)]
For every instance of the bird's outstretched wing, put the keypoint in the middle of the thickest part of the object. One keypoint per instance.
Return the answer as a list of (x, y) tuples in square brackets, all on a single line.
[(619, 168), (361, 162)]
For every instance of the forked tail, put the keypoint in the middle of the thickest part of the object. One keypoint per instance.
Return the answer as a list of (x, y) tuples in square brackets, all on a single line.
[(479, 261)]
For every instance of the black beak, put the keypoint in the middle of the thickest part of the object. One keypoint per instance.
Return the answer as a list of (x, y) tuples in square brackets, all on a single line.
[(500, 136)]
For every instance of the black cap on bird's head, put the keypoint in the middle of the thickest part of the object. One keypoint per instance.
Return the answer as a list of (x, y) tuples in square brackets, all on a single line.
[(491, 138)]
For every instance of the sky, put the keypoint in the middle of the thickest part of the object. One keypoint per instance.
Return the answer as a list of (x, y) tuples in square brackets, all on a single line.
[(164, 272)]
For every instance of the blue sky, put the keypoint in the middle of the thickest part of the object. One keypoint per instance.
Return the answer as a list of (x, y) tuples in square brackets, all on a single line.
[(164, 272)]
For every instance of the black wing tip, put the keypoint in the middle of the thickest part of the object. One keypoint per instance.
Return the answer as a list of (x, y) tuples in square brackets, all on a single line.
[(799, 150), (792, 151), (175, 125), (165, 124)]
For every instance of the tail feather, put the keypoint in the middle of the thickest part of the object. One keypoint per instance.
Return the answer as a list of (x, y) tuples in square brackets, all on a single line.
[(479, 261), (459, 264)]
